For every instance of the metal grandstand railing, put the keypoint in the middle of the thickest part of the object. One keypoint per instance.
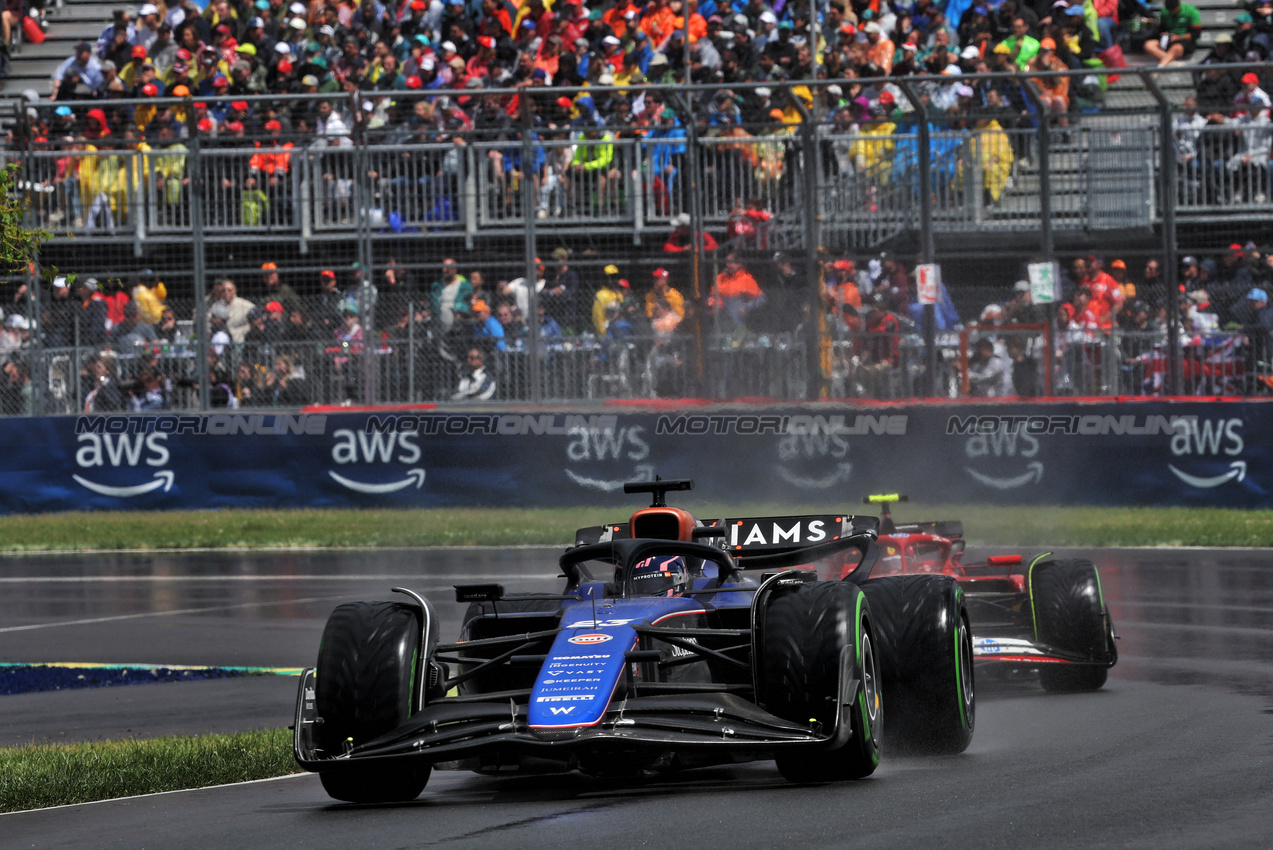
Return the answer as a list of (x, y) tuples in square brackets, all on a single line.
[(1102, 174), (924, 183), (863, 366)]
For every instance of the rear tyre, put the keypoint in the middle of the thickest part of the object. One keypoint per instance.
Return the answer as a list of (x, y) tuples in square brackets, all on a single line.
[(1070, 615), (810, 631), (368, 663), (925, 657)]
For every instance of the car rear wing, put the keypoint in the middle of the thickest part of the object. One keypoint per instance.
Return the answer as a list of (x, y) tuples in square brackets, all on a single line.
[(766, 542), (951, 529)]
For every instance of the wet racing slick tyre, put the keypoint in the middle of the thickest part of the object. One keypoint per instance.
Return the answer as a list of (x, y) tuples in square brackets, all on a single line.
[(366, 686), (805, 630), (1070, 615), (925, 658)]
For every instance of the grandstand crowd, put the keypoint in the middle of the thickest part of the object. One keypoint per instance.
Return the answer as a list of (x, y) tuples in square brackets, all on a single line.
[(272, 343), (359, 58), (443, 75), (363, 53)]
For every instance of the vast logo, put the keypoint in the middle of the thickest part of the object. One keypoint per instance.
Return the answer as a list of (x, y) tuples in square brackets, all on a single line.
[(399, 447), (1208, 438), (115, 451), (1005, 444), (611, 445)]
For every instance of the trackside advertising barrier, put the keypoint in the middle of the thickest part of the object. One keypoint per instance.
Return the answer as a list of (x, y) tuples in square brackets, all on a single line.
[(1098, 453)]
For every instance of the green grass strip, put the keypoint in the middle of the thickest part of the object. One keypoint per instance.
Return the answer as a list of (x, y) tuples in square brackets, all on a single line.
[(343, 528), (42, 775)]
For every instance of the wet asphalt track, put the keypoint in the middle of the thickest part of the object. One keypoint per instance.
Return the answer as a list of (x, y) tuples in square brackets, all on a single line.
[(1176, 751)]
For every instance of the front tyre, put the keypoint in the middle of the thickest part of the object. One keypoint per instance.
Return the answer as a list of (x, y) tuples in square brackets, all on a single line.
[(925, 652), (1070, 615), (366, 686), (811, 632)]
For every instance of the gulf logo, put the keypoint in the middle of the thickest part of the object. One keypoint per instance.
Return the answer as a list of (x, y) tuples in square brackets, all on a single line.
[(589, 638)]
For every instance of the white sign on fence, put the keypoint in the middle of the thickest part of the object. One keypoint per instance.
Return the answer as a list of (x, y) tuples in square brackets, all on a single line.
[(1044, 283), (928, 276)]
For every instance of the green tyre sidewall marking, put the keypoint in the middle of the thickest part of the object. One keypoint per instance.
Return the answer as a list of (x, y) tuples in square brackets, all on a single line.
[(960, 630), (1034, 618), (862, 695)]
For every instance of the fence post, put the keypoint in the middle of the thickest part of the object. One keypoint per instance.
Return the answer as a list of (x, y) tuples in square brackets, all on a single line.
[(816, 382), (928, 239), (131, 174), (1167, 182), (696, 234), (528, 247), (303, 182), (35, 360), (1045, 218), (468, 162), (194, 166), (364, 196)]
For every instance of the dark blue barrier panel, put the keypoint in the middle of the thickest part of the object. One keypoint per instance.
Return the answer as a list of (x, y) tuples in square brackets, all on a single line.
[(1150, 453)]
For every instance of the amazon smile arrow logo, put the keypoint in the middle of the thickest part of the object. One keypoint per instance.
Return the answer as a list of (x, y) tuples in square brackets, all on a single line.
[(1033, 473), (163, 478), (1236, 471), (644, 472), (413, 475), (840, 475)]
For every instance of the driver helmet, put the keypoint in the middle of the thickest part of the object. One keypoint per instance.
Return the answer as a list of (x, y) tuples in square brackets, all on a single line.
[(662, 575)]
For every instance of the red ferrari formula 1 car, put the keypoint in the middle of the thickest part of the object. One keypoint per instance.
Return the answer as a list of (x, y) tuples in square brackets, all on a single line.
[(1038, 613)]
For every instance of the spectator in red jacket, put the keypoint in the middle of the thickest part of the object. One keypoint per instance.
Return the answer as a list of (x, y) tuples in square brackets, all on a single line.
[(1107, 295), (682, 238)]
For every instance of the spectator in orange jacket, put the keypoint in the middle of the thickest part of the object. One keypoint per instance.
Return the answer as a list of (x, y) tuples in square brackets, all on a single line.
[(1107, 295), (735, 293)]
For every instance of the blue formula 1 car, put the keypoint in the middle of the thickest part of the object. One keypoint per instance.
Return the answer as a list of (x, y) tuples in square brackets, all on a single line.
[(675, 643)]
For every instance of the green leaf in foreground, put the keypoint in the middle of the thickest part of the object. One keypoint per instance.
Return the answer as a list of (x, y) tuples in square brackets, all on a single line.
[(43, 775)]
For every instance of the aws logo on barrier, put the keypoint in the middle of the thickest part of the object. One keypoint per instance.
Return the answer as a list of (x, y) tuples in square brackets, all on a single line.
[(609, 446), (1007, 445), (101, 452), (822, 448), (377, 448), (1208, 439)]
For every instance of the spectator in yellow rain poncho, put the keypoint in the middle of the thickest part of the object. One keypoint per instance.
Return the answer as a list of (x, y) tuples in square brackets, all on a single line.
[(994, 152), (167, 168), (771, 149), (104, 184), (872, 151), (149, 296)]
